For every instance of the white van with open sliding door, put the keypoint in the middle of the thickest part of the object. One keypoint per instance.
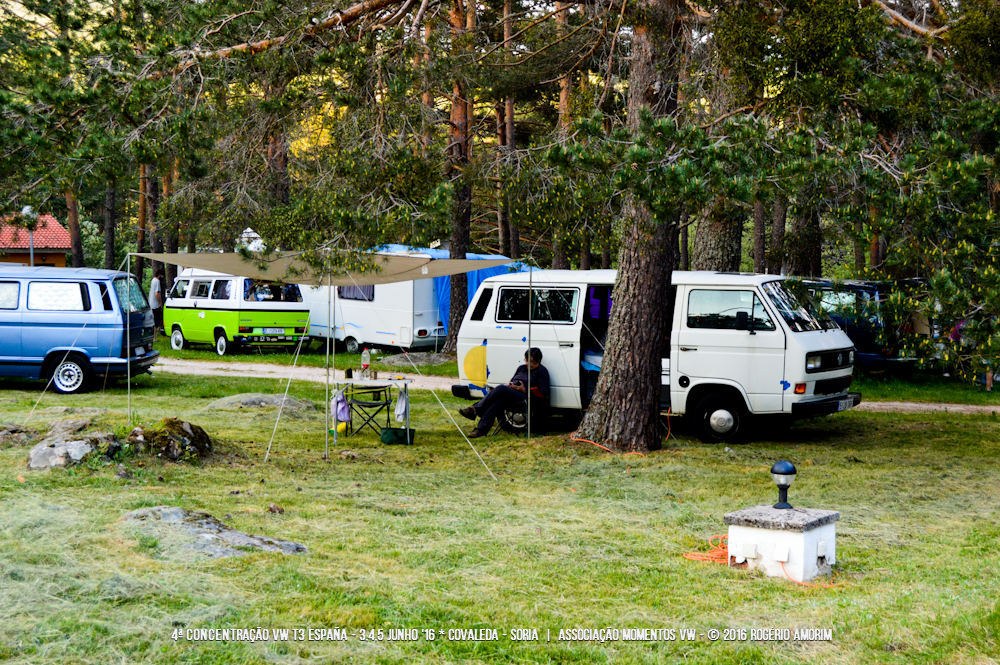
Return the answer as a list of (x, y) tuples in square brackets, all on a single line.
[(739, 345)]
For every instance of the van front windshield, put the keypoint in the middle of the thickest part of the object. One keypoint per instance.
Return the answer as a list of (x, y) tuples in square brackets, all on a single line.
[(798, 311), (130, 295)]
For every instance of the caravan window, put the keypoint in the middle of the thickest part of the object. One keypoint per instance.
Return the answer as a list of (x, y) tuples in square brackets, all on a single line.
[(59, 296), (547, 305), (366, 293)]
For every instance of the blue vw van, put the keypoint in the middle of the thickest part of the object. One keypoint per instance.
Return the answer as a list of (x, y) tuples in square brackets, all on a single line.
[(69, 324)]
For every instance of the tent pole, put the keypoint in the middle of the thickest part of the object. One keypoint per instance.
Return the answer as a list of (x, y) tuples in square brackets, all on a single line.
[(332, 318), (531, 299), (329, 338), (128, 339)]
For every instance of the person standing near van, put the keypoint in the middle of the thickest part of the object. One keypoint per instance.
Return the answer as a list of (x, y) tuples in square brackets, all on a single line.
[(529, 376), (156, 302)]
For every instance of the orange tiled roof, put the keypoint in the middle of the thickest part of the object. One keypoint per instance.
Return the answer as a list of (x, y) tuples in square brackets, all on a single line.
[(49, 234)]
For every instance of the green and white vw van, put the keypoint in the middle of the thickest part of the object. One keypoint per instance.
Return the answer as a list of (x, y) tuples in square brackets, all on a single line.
[(231, 312)]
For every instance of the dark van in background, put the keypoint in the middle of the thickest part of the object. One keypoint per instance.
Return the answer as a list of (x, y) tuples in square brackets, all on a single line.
[(860, 309), (72, 325)]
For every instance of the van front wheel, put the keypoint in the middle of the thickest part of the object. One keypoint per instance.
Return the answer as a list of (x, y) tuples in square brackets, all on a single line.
[(177, 341), (72, 375), (352, 345), (720, 418)]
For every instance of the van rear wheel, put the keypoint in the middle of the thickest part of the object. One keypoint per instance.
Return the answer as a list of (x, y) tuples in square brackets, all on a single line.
[(351, 345), (720, 418), (72, 375), (222, 345)]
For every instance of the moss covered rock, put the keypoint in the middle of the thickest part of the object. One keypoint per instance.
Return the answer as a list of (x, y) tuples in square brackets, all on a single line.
[(177, 439)]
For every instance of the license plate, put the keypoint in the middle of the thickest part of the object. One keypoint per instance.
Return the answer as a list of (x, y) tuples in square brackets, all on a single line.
[(274, 331), (845, 404), (140, 351)]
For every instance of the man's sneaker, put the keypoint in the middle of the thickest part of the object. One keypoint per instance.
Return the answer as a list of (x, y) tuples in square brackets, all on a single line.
[(469, 412), (475, 434)]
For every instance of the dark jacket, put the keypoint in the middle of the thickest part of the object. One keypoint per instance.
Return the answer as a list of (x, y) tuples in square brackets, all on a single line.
[(539, 381)]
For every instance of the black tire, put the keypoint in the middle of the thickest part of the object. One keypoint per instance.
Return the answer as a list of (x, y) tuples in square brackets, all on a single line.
[(223, 346), (71, 375), (721, 418), (177, 341), (351, 345), (513, 422)]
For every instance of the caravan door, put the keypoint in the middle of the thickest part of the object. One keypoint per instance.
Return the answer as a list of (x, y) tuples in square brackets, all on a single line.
[(555, 330)]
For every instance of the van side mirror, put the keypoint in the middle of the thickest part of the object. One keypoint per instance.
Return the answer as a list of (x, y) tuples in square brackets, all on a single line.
[(742, 321)]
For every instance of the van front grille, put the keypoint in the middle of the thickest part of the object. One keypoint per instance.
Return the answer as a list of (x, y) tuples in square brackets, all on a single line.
[(832, 386)]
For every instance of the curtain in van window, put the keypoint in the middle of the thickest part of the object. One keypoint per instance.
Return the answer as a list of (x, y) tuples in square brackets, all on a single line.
[(124, 291), (221, 289), (547, 305), (57, 296), (8, 295)]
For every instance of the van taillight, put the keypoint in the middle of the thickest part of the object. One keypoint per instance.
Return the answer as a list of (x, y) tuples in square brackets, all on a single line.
[(421, 333), (244, 329), (300, 330)]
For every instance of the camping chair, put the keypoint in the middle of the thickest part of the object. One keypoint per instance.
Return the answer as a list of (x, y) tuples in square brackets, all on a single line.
[(367, 402)]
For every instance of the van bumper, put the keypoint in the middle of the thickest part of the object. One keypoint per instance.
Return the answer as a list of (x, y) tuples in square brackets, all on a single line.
[(823, 407), (136, 366)]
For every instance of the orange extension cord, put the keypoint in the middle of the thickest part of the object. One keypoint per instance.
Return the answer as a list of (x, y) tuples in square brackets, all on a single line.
[(720, 554), (571, 438)]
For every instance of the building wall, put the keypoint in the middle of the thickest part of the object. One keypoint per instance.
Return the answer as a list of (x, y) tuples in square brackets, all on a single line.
[(43, 258)]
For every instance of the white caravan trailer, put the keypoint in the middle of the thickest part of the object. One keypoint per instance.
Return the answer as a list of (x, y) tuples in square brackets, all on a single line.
[(739, 345), (403, 314)]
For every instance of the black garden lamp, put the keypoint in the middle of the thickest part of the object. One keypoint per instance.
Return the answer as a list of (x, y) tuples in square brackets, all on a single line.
[(783, 474)]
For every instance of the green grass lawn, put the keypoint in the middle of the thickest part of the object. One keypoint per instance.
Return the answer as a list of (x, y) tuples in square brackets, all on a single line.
[(313, 355), (567, 537), (928, 386)]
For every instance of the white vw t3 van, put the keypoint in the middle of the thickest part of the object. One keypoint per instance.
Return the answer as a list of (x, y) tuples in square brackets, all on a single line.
[(740, 345)]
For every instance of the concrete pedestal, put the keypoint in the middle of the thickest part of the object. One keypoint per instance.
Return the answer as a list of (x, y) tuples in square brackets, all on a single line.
[(803, 539)]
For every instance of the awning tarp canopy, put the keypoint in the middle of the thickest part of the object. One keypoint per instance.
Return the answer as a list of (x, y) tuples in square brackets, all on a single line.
[(290, 268)]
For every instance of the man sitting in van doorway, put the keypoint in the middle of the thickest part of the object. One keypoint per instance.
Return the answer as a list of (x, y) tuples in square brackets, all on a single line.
[(531, 375)]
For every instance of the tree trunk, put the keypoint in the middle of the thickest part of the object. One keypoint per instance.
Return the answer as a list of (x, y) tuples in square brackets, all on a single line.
[(776, 257), (458, 159), (718, 241), (759, 237), (562, 23), (140, 236), (503, 219), (685, 261), (508, 32), (804, 253), (152, 216), (624, 411), (110, 224), (560, 260), (859, 235), (585, 256), (172, 232), (73, 221)]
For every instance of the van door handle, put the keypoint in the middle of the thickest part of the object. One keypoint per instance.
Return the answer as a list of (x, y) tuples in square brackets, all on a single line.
[(566, 345), (689, 348)]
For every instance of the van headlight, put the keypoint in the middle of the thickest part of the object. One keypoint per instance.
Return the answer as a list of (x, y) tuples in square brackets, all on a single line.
[(851, 357), (813, 362)]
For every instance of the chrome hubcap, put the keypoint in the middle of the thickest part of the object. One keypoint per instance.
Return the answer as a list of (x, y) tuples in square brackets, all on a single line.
[(220, 346), (176, 340), (69, 376), (721, 421)]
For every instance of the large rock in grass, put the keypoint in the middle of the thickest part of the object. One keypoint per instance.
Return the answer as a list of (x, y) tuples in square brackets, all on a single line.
[(65, 444), (175, 528), (261, 401), (174, 439)]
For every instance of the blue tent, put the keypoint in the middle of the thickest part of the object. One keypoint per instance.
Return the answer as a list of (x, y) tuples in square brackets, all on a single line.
[(442, 285)]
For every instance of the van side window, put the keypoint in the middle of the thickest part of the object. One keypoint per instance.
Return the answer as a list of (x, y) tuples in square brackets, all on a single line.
[(58, 296), (9, 291), (105, 296), (718, 310), (222, 289), (484, 301), (547, 305), (366, 293), (200, 289), (180, 289)]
